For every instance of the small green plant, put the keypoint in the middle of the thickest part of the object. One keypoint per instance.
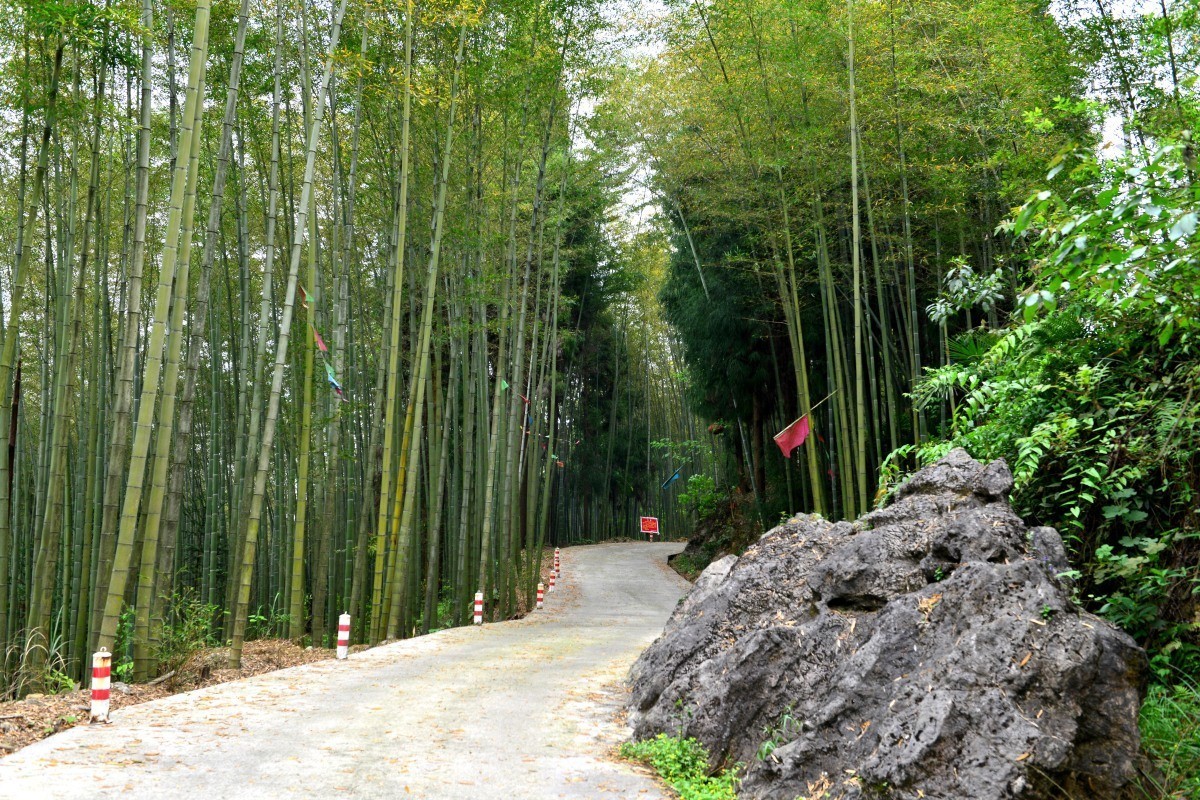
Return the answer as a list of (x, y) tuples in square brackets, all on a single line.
[(58, 682), (778, 734), (683, 764), (122, 658), (270, 621), (939, 575), (256, 625), (1047, 612), (683, 714), (188, 627)]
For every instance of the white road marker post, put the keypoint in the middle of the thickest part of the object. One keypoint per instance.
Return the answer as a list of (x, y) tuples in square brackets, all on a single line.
[(101, 681), (479, 608), (541, 596), (551, 587), (557, 562), (343, 640)]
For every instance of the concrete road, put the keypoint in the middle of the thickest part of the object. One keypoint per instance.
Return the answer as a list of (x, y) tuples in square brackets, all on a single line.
[(513, 711)]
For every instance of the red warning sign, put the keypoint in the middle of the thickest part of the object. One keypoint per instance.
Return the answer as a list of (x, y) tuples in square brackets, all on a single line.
[(649, 524)]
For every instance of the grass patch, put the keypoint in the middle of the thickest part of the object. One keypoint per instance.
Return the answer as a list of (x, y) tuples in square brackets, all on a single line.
[(1170, 723), (683, 764), (687, 566)]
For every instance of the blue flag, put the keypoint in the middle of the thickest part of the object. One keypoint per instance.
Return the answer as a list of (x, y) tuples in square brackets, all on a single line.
[(673, 478)]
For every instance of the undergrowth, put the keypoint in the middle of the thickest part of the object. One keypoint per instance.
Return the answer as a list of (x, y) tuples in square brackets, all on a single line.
[(687, 565), (1091, 395), (35, 665), (189, 626), (1170, 723), (683, 764)]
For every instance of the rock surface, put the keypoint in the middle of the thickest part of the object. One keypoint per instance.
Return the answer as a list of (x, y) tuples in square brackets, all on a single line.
[(927, 650)]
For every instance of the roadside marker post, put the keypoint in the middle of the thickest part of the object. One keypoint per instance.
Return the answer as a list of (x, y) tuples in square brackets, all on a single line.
[(101, 681), (541, 595), (343, 640), (551, 587), (557, 561), (479, 608)]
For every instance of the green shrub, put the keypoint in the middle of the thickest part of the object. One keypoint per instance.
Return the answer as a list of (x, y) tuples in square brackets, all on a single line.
[(1090, 395), (683, 764), (701, 496)]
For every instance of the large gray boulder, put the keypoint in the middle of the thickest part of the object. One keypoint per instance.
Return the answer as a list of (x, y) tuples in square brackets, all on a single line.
[(927, 650)]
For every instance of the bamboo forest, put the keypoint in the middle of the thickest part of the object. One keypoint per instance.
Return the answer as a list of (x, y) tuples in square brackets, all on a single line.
[(360, 306)]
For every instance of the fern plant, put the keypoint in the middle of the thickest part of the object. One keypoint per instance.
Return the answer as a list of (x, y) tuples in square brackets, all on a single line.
[(1091, 397)]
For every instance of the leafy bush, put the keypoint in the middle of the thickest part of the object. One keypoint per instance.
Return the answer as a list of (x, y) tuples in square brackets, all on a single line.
[(702, 496), (683, 764), (726, 528), (1091, 399)]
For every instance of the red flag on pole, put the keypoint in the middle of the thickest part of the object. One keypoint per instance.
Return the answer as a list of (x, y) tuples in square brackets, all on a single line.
[(792, 436)]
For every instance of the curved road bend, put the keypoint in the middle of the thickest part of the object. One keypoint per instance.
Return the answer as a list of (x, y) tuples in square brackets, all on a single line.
[(513, 711)]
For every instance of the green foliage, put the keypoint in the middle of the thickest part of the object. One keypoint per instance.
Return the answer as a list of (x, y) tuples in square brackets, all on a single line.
[(272, 620), (34, 665), (188, 627), (599, 346), (963, 289), (892, 472), (1124, 239), (779, 734), (1170, 724), (702, 496), (687, 566), (122, 657), (443, 615), (1092, 399), (724, 322), (683, 764)]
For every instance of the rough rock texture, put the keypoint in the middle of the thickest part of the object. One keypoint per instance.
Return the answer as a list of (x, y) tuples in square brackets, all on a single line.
[(927, 650)]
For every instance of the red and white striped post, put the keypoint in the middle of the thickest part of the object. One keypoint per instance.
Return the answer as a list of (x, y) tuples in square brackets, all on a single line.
[(652, 536), (479, 608), (101, 681), (541, 594), (343, 642), (551, 587), (557, 562)]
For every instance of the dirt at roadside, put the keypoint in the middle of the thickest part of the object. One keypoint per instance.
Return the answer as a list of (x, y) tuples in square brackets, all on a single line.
[(23, 722)]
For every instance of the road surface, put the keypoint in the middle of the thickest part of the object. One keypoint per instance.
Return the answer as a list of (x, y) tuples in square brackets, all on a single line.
[(520, 710)]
